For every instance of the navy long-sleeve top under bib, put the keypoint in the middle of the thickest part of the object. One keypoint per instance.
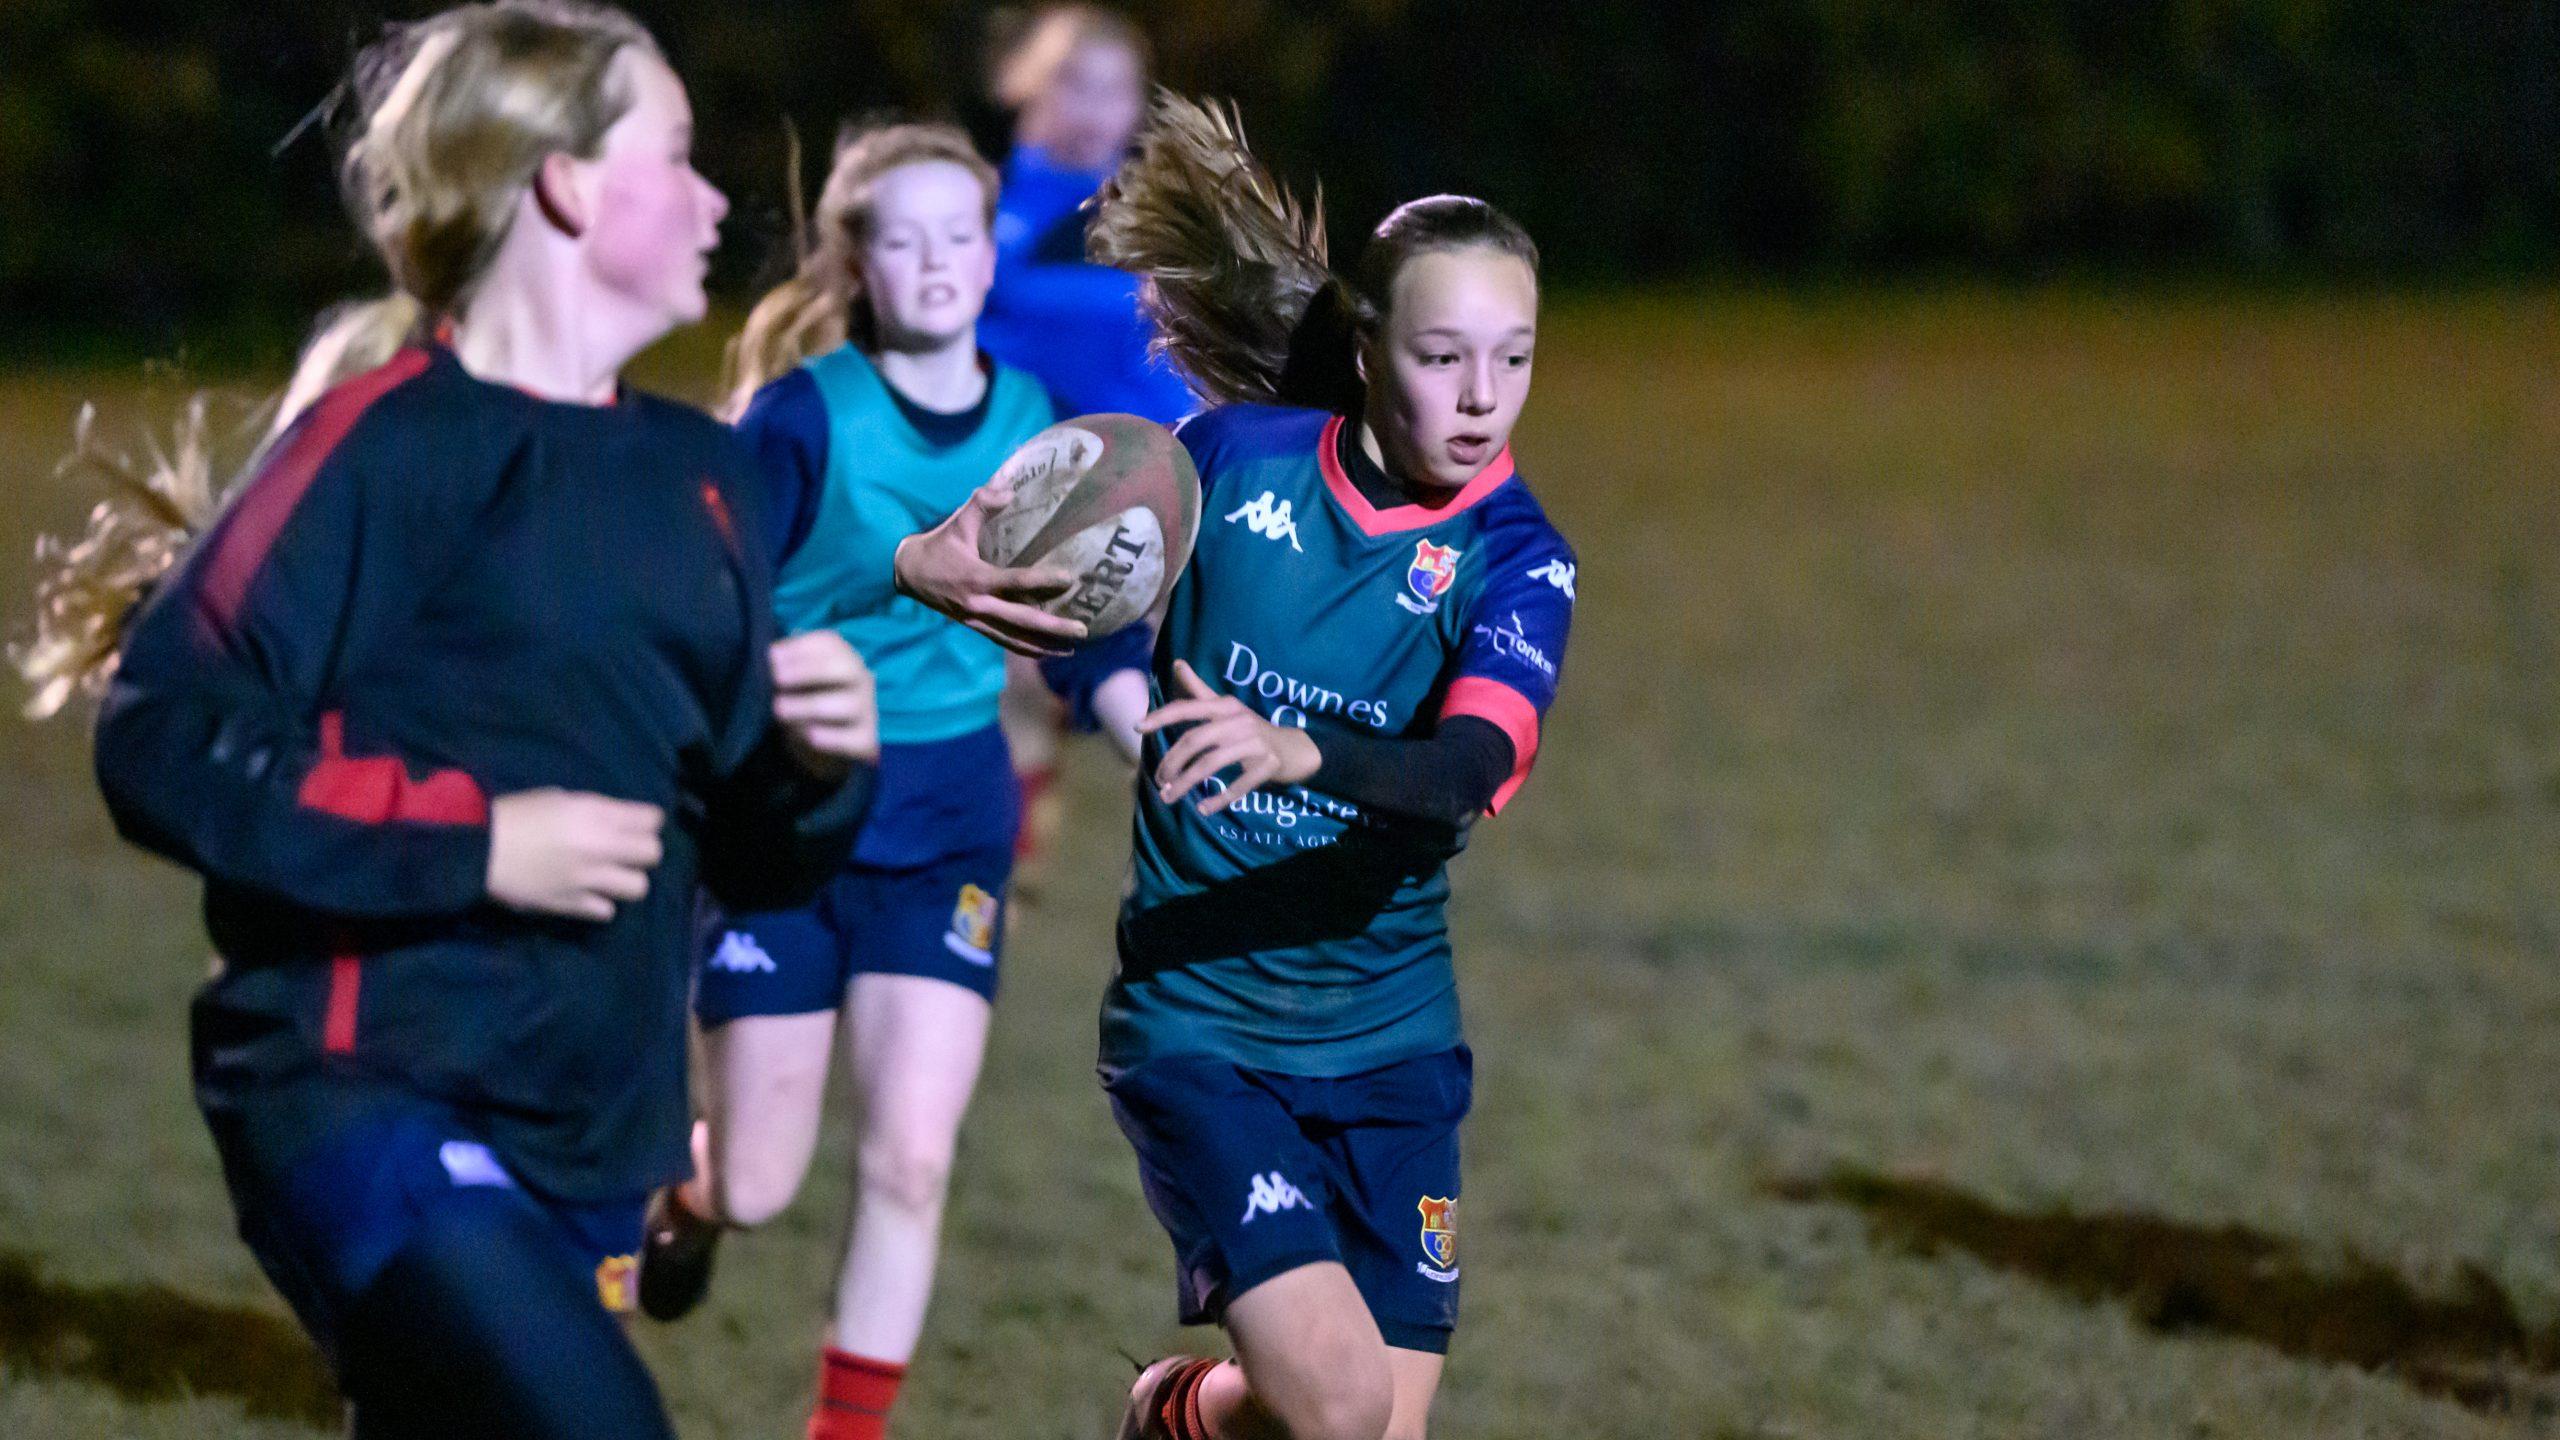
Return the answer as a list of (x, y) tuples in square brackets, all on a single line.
[(434, 591)]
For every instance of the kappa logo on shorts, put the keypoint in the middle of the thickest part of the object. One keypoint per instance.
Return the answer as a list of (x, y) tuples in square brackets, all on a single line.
[(1439, 1238), (1272, 1193), (1433, 571), (972, 935), (616, 1287), (739, 954), (468, 1162)]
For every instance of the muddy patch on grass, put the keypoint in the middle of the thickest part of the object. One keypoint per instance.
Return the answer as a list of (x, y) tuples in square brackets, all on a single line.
[(2463, 1342), (149, 1342)]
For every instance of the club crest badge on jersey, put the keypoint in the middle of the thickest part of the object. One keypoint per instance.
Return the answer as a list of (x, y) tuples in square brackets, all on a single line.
[(1434, 570), (1440, 1233), (972, 936)]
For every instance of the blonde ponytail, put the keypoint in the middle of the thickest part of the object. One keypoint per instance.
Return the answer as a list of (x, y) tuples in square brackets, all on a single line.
[(821, 306), (155, 507), (357, 336)]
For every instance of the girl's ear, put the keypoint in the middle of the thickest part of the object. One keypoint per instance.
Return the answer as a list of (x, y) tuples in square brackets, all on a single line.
[(557, 194), (1360, 342)]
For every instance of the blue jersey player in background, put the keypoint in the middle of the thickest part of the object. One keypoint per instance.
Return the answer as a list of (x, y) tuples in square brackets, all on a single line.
[(1351, 671), (1075, 80)]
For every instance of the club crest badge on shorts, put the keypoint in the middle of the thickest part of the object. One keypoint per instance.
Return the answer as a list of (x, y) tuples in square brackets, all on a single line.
[(1440, 1237), (972, 936), (615, 1279), (1433, 571)]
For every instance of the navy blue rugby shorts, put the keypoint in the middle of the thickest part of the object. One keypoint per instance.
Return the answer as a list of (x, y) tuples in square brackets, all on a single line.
[(1254, 1174), (449, 1298), (943, 920)]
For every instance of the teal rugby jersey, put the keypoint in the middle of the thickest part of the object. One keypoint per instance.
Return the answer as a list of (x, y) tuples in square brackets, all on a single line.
[(883, 482), (1293, 933)]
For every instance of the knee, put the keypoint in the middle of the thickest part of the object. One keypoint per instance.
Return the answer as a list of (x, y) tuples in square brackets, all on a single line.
[(1354, 1404), (905, 1171), (750, 1192)]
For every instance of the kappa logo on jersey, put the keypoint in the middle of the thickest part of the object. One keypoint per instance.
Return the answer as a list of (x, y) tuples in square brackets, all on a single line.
[(1268, 518), (1434, 570), (739, 954), (1556, 573), (1272, 1193), (616, 1283), (972, 936), (1439, 1238)]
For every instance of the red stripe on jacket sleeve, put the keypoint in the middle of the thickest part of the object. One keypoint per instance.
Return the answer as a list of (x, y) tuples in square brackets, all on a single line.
[(375, 790), (1507, 710), (240, 547)]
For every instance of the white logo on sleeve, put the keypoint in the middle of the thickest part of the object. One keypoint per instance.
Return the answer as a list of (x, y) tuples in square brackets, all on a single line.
[(739, 954), (1268, 518), (1272, 1193), (1556, 573)]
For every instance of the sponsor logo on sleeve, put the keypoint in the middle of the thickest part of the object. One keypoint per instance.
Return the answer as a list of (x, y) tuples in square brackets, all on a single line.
[(1268, 518), (1513, 642), (1433, 571)]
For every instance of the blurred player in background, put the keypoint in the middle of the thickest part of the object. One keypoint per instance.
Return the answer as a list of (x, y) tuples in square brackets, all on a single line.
[(1352, 670), (1075, 81), (860, 387), (455, 704)]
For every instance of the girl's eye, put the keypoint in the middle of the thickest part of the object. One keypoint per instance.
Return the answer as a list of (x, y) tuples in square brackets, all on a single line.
[(1515, 361)]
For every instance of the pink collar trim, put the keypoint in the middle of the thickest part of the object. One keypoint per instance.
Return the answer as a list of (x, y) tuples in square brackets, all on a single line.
[(1374, 521)]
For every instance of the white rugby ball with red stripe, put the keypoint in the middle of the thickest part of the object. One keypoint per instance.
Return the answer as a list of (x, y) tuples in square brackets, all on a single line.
[(1113, 498)]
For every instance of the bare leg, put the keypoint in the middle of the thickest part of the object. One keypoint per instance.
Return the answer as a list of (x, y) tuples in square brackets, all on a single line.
[(1417, 1380), (917, 1045), (1309, 1365), (765, 1083)]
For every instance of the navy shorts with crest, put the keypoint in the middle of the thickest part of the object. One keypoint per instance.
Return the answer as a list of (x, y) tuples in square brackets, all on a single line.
[(1254, 1174)]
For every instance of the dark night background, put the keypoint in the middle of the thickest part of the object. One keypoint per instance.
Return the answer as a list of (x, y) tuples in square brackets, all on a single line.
[(1806, 139)]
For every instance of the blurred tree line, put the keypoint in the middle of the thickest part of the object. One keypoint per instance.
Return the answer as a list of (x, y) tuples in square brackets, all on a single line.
[(158, 184)]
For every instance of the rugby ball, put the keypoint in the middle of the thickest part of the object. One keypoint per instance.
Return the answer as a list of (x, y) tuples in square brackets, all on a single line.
[(1113, 498)]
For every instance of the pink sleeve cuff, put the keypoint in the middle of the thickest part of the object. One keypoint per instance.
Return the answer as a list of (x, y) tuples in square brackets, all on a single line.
[(1507, 710)]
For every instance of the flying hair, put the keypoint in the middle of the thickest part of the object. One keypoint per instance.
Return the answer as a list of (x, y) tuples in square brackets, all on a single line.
[(447, 121), (1233, 265), (1235, 272)]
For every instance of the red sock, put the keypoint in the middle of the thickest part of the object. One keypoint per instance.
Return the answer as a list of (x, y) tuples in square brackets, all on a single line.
[(854, 1396), (1182, 1419)]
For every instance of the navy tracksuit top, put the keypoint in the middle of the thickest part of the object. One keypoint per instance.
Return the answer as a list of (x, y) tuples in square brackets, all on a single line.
[(436, 590)]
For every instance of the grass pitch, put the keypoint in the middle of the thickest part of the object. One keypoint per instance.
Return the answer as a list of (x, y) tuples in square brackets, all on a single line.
[(2036, 917)]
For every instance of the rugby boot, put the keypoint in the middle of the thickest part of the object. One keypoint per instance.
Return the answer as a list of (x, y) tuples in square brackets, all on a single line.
[(676, 1247)]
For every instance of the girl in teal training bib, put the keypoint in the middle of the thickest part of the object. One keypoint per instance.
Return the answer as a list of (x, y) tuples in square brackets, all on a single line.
[(860, 386)]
